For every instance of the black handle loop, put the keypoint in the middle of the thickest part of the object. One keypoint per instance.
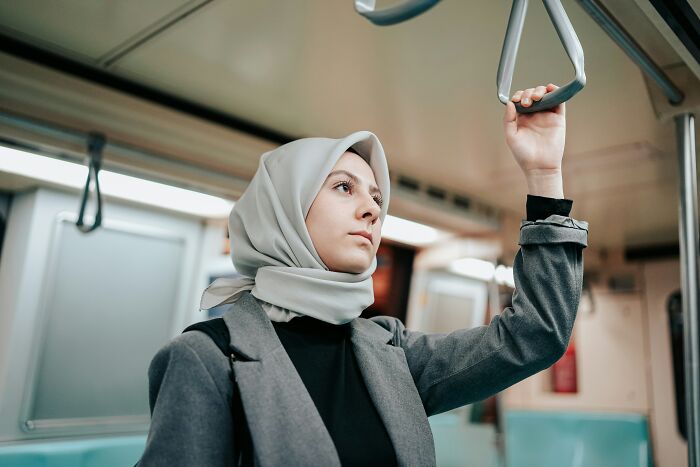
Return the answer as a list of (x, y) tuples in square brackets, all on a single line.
[(95, 144)]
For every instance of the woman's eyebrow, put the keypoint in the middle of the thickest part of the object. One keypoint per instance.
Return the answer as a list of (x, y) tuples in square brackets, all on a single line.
[(372, 188)]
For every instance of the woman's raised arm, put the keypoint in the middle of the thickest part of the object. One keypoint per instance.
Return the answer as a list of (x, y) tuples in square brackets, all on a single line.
[(455, 369), (467, 365)]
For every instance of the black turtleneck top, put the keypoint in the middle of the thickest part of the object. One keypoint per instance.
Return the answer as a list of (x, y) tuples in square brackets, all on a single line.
[(323, 356)]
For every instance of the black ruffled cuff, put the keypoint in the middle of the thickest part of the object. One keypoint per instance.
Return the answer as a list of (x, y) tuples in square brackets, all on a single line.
[(541, 207)]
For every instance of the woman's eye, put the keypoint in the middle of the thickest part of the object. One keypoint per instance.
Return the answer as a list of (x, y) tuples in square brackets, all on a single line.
[(345, 184), (348, 185)]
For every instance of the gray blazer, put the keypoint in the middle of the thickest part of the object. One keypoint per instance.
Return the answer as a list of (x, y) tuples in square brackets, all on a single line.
[(410, 375)]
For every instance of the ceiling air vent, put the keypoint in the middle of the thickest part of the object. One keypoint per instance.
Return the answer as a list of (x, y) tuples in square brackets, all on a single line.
[(408, 183), (436, 193), (439, 207), (461, 202)]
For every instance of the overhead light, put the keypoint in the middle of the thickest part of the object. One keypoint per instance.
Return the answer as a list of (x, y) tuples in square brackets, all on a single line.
[(474, 268), (113, 184), (409, 232), (483, 270), (504, 275), (72, 175)]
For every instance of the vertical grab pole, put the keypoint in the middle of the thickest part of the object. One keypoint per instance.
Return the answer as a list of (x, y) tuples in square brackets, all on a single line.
[(688, 237)]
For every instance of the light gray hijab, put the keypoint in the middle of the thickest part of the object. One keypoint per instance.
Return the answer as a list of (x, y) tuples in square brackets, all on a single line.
[(271, 247)]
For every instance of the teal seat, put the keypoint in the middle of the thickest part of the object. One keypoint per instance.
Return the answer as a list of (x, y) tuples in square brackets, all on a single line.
[(563, 439), (459, 443), (92, 452), (533, 439)]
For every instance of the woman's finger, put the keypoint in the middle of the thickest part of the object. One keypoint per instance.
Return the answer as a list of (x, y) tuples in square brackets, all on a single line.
[(526, 99), (510, 121), (528, 96), (560, 109), (538, 93)]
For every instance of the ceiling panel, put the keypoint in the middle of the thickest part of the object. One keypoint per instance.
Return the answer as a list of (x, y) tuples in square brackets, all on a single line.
[(425, 87), (82, 29)]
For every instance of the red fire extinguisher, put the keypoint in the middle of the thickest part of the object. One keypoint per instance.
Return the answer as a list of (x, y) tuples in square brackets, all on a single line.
[(564, 371)]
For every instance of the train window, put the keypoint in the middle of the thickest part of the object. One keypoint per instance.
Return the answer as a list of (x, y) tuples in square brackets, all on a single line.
[(107, 306)]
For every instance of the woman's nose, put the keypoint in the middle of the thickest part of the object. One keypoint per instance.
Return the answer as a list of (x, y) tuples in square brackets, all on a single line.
[(369, 208)]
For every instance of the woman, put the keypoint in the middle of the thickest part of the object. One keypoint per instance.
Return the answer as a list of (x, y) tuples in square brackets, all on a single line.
[(321, 386)]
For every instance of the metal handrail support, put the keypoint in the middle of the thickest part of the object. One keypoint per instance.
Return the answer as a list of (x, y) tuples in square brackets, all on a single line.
[(618, 34), (688, 239)]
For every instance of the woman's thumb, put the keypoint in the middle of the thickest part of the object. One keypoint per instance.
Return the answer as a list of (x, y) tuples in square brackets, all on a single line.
[(510, 119)]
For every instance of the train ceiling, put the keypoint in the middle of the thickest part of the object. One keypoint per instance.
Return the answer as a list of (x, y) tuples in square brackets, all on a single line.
[(287, 69)]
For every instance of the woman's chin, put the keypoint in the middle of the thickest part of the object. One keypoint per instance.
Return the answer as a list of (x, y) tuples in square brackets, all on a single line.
[(353, 265)]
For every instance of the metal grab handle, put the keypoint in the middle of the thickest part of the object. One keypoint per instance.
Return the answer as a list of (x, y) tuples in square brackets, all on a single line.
[(568, 37), (395, 14)]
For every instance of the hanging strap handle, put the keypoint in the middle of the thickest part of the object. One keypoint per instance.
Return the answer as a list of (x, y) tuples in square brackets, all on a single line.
[(393, 15), (568, 37), (95, 144)]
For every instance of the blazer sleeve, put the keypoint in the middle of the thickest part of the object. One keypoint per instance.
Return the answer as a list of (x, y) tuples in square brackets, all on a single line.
[(189, 399), (467, 365)]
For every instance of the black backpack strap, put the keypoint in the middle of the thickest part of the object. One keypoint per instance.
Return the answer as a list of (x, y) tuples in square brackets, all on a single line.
[(217, 330)]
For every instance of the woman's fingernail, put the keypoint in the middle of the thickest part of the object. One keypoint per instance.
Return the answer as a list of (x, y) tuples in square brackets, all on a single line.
[(526, 101)]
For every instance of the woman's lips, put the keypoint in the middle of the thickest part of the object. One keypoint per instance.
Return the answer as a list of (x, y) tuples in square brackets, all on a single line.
[(362, 235)]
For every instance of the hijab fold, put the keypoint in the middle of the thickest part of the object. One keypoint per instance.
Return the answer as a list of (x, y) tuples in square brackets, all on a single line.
[(270, 245)]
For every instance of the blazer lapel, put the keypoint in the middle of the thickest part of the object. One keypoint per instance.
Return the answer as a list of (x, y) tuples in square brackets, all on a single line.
[(391, 387), (283, 419)]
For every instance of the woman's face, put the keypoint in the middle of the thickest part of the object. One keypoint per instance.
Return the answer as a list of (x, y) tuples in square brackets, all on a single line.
[(347, 204)]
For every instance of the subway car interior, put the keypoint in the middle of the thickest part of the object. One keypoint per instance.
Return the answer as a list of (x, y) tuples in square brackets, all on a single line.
[(129, 130)]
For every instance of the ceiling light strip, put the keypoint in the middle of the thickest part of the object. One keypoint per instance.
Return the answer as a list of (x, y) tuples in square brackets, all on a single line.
[(126, 187)]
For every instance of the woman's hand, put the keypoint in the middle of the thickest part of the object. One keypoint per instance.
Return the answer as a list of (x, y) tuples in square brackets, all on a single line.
[(537, 141)]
